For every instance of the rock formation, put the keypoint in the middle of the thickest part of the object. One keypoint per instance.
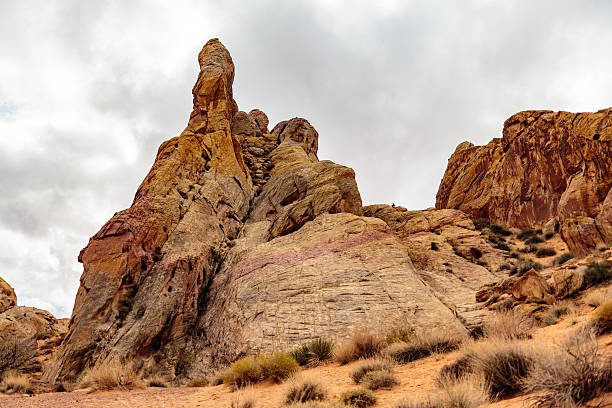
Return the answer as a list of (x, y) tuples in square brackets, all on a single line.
[(547, 165), (240, 240), (8, 298)]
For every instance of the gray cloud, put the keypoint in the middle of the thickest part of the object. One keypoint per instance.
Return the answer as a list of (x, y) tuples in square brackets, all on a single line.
[(88, 91)]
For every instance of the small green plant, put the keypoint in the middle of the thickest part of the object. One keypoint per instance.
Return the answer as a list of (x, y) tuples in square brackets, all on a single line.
[(313, 353), (545, 252), (534, 240), (304, 390), (358, 398), (597, 272), (301, 355), (563, 258)]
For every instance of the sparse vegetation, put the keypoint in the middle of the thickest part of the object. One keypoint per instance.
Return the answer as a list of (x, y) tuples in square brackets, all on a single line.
[(534, 240), (597, 272), (574, 373), (244, 399), (557, 310), (15, 382), (15, 352), (398, 334), (370, 365), (249, 370), (358, 398), (507, 325), (499, 230), (526, 234), (545, 252), (111, 376), (548, 235), (243, 372), (602, 317), (158, 381), (361, 345), (597, 297), (563, 258), (525, 265), (305, 389), (469, 392), (482, 223), (377, 379), (505, 267), (423, 345), (434, 246), (197, 382)]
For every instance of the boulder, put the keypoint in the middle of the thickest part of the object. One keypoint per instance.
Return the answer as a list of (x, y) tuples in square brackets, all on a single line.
[(531, 287), (8, 299), (581, 235), (550, 227), (567, 282), (261, 119)]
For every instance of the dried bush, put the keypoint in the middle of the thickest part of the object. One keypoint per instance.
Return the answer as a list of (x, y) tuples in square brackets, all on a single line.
[(507, 325), (360, 345), (526, 234), (573, 373), (545, 251), (358, 398), (423, 345), (157, 381), (244, 399), (525, 265), (563, 258), (217, 377), (601, 317), (398, 334), (111, 376), (501, 365), (374, 380), (16, 353), (499, 230), (470, 392), (482, 223), (305, 389), (198, 382), (597, 297), (14, 382), (557, 310), (370, 365), (534, 240), (598, 272)]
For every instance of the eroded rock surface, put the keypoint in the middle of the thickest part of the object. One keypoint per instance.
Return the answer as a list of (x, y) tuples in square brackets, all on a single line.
[(547, 164), (8, 298)]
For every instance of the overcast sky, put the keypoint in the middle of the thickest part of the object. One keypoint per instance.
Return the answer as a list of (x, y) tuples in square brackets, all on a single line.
[(89, 89)]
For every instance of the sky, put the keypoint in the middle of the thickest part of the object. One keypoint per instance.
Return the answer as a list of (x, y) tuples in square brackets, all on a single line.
[(90, 89)]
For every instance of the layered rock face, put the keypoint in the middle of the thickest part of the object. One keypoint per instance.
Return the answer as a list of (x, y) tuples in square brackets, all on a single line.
[(547, 165), (240, 240)]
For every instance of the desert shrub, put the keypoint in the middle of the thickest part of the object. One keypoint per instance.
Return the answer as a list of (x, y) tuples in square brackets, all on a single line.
[(217, 377), (548, 235), (507, 325), (557, 310), (526, 234), (110, 376), (198, 382), (305, 389), (545, 251), (243, 372), (502, 246), (534, 240), (277, 366), (313, 353), (501, 365), (244, 399), (597, 297), (602, 317), (423, 345), (499, 230), (598, 272), (505, 267), (525, 265), (358, 398), (15, 353), (573, 373), (398, 334), (482, 223), (563, 258), (374, 380), (370, 365), (360, 345), (470, 392), (14, 382), (157, 381)]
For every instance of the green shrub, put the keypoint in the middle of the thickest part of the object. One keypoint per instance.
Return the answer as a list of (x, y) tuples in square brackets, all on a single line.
[(277, 366), (304, 390), (526, 234), (301, 355), (598, 272), (545, 251), (368, 366), (400, 334), (313, 353), (358, 398), (534, 240), (482, 223), (563, 258), (499, 230), (243, 372)]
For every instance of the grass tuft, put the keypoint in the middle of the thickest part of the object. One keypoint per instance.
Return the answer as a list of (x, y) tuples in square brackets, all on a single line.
[(358, 398), (305, 389), (360, 345), (112, 376)]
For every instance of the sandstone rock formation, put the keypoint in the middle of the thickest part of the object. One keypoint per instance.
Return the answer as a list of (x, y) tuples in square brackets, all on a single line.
[(8, 298), (240, 240), (546, 165)]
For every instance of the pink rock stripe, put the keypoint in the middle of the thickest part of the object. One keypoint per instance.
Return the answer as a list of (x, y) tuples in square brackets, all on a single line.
[(289, 258)]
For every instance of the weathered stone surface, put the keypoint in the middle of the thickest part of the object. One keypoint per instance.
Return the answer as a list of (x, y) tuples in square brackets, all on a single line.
[(261, 119), (146, 271), (298, 130), (531, 287), (244, 125), (567, 281), (548, 164), (8, 298), (550, 227), (581, 235)]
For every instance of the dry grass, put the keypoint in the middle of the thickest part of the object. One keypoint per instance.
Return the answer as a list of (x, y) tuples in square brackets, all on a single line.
[(371, 365), (423, 345), (503, 365), (361, 345), (249, 370), (198, 382), (305, 389), (572, 373), (470, 392), (374, 380), (14, 382), (244, 399), (111, 376), (599, 296), (507, 325), (156, 381), (358, 398), (557, 310)]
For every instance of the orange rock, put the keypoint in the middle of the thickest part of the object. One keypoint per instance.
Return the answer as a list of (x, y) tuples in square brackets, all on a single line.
[(8, 298)]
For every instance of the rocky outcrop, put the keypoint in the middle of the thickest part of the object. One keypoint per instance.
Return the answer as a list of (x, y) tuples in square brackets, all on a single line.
[(547, 164), (530, 287), (240, 240), (8, 298)]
